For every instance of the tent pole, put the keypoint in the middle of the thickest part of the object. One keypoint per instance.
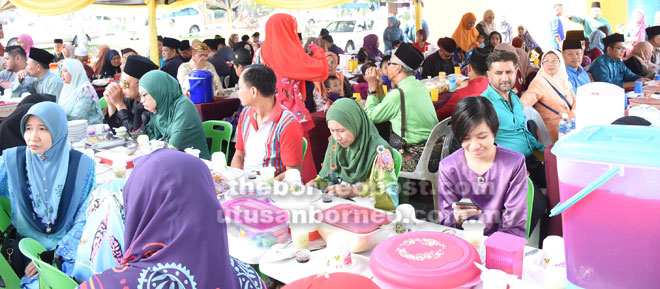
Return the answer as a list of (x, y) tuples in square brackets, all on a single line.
[(231, 24), (153, 33), (418, 15)]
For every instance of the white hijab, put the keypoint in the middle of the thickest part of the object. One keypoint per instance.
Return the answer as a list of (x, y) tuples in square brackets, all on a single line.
[(488, 27), (560, 79)]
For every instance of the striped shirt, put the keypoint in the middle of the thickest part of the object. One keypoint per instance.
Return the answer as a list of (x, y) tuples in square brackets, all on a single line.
[(277, 143)]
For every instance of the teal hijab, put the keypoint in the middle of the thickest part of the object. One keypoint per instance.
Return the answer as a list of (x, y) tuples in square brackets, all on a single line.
[(52, 201), (353, 164), (177, 119)]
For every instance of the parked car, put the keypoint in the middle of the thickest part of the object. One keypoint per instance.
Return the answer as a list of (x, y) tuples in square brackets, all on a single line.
[(349, 34), (185, 22)]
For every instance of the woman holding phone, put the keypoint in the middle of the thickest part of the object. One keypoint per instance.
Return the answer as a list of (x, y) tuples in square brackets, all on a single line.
[(492, 179)]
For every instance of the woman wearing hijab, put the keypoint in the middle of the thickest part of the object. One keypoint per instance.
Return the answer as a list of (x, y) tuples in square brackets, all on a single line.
[(47, 184), (494, 39), (172, 237), (321, 91), (392, 32), (199, 61), (530, 44), (518, 43), (636, 30), (10, 128), (487, 26), (371, 46), (174, 117), (466, 34), (78, 97), (596, 47), (550, 93), (639, 60), (112, 64), (292, 71), (358, 160), (68, 51), (100, 59), (26, 42), (233, 39)]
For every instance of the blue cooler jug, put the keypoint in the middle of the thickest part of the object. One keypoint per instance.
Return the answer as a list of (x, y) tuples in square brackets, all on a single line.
[(201, 86)]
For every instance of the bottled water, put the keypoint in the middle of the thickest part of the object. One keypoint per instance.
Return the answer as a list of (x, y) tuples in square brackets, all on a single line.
[(452, 83), (565, 125)]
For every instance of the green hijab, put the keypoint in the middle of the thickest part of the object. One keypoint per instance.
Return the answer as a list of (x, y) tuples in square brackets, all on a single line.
[(177, 120), (353, 164)]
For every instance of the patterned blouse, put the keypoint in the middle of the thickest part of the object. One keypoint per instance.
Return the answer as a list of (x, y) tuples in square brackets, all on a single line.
[(381, 184)]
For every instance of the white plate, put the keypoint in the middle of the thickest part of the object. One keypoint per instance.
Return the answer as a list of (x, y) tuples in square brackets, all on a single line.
[(295, 200), (360, 265), (76, 122), (100, 82), (655, 95), (232, 173)]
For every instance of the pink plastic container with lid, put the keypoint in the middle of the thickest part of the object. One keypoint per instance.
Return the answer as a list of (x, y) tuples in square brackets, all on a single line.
[(425, 260), (258, 221), (505, 252)]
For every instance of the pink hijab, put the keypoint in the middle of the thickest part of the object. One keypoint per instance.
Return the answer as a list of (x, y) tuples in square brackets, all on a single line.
[(637, 29), (27, 40)]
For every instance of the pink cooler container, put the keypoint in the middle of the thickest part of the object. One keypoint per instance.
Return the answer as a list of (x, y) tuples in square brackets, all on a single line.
[(425, 260), (505, 252), (611, 234), (257, 221)]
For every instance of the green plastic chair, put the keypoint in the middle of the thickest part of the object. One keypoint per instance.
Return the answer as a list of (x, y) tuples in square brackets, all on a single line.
[(396, 155), (304, 147), (6, 272), (103, 103), (49, 276), (530, 205), (218, 136)]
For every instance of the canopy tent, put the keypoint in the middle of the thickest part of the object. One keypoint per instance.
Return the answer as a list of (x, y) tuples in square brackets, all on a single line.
[(60, 7)]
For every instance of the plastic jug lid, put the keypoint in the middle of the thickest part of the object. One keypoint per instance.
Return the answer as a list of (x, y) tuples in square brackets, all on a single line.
[(639, 145), (352, 218)]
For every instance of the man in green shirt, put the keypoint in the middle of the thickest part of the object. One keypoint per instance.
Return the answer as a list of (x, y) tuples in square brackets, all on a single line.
[(420, 113), (420, 116), (591, 23)]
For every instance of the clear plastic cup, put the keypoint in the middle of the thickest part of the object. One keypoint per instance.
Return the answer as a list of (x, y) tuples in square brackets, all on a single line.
[(474, 232)]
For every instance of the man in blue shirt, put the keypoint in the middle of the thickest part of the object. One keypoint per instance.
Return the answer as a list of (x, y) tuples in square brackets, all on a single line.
[(610, 68), (573, 53), (512, 132), (557, 27)]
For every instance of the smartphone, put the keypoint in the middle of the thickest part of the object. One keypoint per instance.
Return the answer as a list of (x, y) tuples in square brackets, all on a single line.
[(468, 204)]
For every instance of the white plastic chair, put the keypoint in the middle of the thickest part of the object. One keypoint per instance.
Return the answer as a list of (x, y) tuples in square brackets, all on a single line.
[(442, 129), (532, 115)]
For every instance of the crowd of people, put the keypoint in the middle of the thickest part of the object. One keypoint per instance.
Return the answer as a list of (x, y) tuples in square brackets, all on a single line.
[(119, 232)]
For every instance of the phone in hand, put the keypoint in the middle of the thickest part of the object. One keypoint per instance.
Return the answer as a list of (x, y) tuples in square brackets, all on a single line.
[(467, 205)]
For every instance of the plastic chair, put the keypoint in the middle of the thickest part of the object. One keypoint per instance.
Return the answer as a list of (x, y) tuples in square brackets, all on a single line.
[(396, 155), (530, 205), (103, 103), (532, 115), (218, 136), (49, 276), (6, 272), (442, 129), (304, 147)]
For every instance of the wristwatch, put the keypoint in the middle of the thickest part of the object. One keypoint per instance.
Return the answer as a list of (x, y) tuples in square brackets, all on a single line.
[(371, 92)]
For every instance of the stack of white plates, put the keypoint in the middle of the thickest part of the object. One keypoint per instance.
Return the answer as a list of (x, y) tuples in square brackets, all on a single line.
[(77, 130)]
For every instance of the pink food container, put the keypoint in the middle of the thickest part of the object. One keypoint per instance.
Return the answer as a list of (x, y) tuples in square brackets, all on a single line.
[(364, 227), (257, 221), (425, 260), (505, 252)]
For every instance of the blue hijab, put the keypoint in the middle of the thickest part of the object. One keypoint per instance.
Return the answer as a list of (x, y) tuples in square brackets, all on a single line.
[(46, 184), (596, 41), (108, 70), (392, 33)]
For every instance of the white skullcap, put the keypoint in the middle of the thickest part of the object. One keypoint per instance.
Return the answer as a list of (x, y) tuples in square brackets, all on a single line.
[(80, 51)]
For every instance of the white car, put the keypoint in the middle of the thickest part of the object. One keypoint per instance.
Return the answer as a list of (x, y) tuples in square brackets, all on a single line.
[(184, 22), (349, 34)]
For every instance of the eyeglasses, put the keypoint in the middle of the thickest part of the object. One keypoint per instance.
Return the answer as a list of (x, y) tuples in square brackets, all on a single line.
[(394, 63), (553, 61), (123, 83)]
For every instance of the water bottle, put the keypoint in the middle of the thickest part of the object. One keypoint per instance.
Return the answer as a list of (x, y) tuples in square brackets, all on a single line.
[(564, 125), (452, 83)]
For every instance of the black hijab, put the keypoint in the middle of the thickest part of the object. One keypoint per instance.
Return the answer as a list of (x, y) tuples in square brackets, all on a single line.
[(10, 127)]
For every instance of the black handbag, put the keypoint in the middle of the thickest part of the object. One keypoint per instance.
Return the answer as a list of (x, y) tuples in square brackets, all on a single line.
[(396, 141), (10, 251)]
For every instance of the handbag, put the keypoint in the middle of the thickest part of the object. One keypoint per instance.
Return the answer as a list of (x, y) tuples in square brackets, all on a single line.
[(9, 240), (396, 141)]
